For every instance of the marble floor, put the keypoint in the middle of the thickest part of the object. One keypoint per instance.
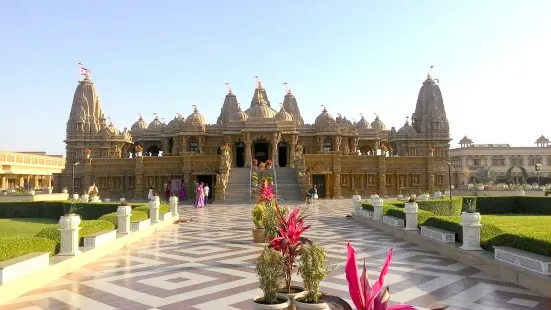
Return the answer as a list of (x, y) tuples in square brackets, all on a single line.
[(208, 264)]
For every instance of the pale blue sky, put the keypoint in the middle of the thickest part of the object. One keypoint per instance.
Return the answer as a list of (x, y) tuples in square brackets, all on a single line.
[(493, 59)]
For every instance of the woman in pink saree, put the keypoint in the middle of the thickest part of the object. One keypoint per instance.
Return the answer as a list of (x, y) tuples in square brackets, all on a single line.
[(200, 196)]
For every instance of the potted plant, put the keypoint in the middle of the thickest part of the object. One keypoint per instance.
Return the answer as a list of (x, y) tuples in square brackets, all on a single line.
[(139, 150), (289, 243), (31, 192), (469, 216), (255, 179), (85, 197), (431, 150), (94, 197), (270, 270), (72, 218), (437, 194), (259, 218), (87, 153), (356, 200), (363, 294), (107, 200), (269, 164), (300, 175), (226, 148), (400, 196), (64, 190), (313, 271), (255, 163), (270, 181)]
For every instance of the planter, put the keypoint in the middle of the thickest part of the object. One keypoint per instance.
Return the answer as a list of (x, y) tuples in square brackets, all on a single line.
[(470, 218), (107, 200), (32, 193), (522, 193), (437, 195), (400, 196), (285, 303), (122, 200), (296, 291), (139, 154), (480, 187), (259, 235), (413, 196), (75, 196), (374, 196), (49, 190), (84, 198), (69, 221), (447, 193), (95, 199), (87, 156), (303, 305), (357, 202), (64, 191)]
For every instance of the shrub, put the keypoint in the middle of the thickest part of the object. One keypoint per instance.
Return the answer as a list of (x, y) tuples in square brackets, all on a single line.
[(55, 209), (513, 205), (441, 207), (135, 216), (164, 207), (88, 228), (12, 247)]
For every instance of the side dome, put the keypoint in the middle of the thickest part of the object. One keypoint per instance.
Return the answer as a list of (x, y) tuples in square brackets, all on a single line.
[(156, 124), (406, 130), (114, 130), (139, 125), (378, 124), (283, 116), (239, 115), (325, 121), (195, 121), (261, 110), (363, 126), (176, 123)]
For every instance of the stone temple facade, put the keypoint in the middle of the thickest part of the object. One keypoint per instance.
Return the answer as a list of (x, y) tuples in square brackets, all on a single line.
[(338, 155)]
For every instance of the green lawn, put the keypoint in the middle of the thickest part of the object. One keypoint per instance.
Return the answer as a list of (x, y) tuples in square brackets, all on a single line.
[(519, 223), (23, 226)]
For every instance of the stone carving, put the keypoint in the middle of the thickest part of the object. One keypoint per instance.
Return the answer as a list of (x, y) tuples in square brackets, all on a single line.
[(402, 181)]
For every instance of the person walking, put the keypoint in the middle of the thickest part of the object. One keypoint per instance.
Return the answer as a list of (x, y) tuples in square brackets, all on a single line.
[(150, 195), (200, 196), (206, 191)]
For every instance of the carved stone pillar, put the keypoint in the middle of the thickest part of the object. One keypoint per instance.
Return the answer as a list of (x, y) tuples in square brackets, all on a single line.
[(275, 141), (165, 146), (201, 145), (346, 147), (338, 141), (248, 151), (139, 179), (294, 144), (183, 145), (382, 176), (320, 140), (355, 145)]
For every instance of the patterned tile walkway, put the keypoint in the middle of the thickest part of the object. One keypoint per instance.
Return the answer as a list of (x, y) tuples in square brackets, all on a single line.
[(208, 264)]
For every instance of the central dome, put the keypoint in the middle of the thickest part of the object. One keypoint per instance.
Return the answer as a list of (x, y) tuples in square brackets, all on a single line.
[(261, 110)]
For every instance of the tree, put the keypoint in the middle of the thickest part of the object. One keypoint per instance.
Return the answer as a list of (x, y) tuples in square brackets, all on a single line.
[(484, 175)]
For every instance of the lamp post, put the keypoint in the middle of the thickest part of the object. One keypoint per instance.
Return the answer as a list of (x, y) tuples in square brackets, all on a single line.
[(449, 177), (73, 182)]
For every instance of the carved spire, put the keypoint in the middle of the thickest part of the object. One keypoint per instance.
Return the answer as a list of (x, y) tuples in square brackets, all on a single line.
[(430, 113), (259, 94), (86, 107)]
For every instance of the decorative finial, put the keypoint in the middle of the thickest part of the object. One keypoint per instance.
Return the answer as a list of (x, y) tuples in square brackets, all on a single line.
[(286, 88), (163, 120), (238, 106), (228, 87), (195, 110), (339, 115), (324, 109), (376, 115), (109, 121), (407, 119), (140, 116), (258, 83), (361, 115), (429, 75), (281, 107), (156, 116)]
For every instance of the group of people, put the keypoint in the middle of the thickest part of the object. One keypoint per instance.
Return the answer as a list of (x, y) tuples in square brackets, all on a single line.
[(201, 195)]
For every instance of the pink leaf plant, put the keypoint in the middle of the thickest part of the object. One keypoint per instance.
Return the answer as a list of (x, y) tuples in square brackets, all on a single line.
[(364, 295)]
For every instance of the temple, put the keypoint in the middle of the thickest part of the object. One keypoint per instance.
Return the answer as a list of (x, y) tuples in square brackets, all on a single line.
[(338, 155)]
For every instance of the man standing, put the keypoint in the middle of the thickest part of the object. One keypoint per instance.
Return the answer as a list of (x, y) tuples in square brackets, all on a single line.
[(206, 189)]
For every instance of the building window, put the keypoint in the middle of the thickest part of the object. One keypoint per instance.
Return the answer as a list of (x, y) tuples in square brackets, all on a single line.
[(477, 162), (193, 145), (439, 179), (131, 182), (78, 182), (498, 162), (328, 145), (517, 162), (534, 161), (102, 182)]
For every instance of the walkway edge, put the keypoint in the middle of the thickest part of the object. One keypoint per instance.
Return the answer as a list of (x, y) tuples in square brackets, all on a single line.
[(482, 260), (62, 265)]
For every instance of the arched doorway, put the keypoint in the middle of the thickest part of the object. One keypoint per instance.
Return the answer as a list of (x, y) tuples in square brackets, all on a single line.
[(282, 154), (240, 154), (153, 150)]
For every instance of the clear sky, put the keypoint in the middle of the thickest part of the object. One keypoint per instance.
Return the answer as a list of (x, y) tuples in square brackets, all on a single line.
[(493, 58)]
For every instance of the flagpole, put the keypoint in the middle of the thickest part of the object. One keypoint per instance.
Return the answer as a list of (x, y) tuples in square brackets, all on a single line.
[(79, 71)]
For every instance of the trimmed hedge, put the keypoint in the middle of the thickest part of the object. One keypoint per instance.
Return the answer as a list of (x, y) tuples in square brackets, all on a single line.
[(88, 228), (55, 209), (135, 216), (513, 205), (441, 207), (12, 247), (163, 208)]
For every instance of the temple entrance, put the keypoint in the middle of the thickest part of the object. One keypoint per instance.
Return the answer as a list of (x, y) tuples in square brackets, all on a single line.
[(282, 154), (207, 179), (319, 181), (240, 154), (154, 150), (261, 151)]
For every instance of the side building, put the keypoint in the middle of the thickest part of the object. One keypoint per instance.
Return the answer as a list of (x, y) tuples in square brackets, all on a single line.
[(508, 164), (339, 156)]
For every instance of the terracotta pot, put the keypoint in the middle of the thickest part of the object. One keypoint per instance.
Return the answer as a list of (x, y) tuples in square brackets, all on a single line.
[(258, 235), (298, 292), (304, 306), (281, 306)]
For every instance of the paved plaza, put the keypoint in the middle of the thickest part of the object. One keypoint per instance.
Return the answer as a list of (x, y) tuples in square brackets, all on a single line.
[(208, 264)]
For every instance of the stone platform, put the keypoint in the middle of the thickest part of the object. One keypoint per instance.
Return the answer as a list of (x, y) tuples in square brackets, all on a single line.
[(208, 264)]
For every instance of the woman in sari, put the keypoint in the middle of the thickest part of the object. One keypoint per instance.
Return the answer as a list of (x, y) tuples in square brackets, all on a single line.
[(182, 192), (200, 196)]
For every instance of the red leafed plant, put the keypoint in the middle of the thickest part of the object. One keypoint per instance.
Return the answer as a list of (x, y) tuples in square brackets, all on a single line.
[(289, 242), (363, 294), (269, 163), (266, 193)]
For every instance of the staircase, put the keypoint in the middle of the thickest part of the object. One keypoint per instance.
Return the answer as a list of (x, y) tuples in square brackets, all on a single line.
[(288, 188), (237, 190)]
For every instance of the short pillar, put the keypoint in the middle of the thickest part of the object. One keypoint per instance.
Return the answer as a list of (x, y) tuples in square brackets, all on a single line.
[(154, 209), (123, 216), (356, 203), (173, 201), (471, 231), (69, 227), (411, 215), (377, 208)]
